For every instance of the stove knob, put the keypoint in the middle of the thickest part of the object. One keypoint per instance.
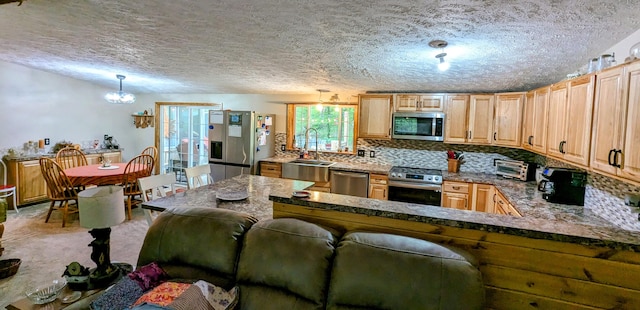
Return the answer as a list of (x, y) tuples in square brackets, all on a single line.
[(393, 174), (429, 178)]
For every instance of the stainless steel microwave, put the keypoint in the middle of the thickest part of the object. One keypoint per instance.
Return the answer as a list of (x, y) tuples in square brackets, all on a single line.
[(418, 126)]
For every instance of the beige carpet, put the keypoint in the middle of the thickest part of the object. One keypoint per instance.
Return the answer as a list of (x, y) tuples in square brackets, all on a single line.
[(46, 248)]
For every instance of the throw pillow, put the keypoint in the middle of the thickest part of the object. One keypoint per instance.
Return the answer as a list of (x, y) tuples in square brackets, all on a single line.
[(191, 299), (120, 296), (148, 276), (219, 298), (163, 294)]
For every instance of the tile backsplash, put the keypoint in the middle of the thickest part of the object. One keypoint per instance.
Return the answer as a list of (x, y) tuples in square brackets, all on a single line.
[(604, 195)]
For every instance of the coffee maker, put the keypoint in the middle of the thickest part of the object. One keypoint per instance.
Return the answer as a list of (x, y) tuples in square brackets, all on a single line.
[(563, 185)]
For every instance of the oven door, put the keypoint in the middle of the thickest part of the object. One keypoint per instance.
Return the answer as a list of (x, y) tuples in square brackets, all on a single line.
[(411, 192)]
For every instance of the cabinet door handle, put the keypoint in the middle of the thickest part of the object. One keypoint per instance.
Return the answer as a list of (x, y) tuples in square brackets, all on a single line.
[(530, 138), (494, 198), (455, 187), (469, 134), (494, 136), (615, 158), (562, 146), (609, 157)]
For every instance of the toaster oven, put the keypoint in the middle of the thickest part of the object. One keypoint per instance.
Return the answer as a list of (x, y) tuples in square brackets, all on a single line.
[(515, 169)]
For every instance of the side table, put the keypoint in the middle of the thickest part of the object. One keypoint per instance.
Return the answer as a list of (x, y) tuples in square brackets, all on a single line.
[(86, 297)]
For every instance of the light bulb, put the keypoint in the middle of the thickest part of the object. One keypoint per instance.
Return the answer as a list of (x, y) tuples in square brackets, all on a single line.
[(443, 65)]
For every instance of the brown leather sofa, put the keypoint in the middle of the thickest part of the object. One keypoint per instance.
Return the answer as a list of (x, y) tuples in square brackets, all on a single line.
[(293, 264)]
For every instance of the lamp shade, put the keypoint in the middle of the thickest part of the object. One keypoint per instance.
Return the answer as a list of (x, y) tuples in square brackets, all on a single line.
[(101, 207)]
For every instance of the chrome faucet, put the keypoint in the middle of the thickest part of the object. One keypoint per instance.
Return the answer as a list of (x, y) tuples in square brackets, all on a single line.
[(306, 135)]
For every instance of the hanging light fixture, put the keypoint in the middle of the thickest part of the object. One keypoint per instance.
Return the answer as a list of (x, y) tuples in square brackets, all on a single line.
[(120, 96), (443, 65), (319, 106)]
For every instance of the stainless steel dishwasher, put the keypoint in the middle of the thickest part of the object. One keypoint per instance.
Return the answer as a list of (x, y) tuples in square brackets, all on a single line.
[(349, 183)]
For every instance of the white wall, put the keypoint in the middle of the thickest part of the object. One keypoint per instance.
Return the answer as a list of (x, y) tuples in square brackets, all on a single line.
[(35, 105), (622, 48)]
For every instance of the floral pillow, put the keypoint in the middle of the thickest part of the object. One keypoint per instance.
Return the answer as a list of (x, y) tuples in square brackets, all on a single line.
[(163, 294)]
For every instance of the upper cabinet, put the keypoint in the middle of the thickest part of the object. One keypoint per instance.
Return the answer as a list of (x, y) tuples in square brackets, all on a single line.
[(535, 115), (419, 103), (375, 116), (507, 124), (469, 119), (569, 126), (615, 148)]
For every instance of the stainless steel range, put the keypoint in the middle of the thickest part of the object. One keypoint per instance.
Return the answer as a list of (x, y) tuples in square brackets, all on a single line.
[(415, 185)]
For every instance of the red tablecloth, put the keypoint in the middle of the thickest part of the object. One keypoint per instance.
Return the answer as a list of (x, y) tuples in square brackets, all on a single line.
[(97, 175)]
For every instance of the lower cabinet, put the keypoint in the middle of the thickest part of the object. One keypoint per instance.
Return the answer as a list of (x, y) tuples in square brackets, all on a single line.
[(476, 197), (269, 169), (30, 185), (378, 186)]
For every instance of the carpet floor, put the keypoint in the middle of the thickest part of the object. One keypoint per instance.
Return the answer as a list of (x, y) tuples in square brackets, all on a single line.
[(47, 248)]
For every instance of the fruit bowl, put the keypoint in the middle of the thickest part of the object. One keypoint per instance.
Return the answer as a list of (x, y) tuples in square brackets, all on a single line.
[(46, 293)]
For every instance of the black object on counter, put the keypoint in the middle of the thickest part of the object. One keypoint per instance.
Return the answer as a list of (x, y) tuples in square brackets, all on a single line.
[(563, 185)]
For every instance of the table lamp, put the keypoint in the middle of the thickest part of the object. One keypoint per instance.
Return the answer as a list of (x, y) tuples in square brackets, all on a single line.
[(100, 208)]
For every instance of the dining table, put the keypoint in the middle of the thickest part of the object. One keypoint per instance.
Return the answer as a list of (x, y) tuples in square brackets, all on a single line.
[(99, 175)]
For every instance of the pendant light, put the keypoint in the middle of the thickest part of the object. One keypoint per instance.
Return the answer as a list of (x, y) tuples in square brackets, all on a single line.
[(319, 106), (120, 97), (443, 64)]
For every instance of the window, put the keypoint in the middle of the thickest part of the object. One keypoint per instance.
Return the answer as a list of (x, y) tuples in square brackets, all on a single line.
[(335, 126)]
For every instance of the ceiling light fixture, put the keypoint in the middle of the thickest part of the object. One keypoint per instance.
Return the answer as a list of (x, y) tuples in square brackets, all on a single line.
[(443, 65), (319, 105), (120, 97)]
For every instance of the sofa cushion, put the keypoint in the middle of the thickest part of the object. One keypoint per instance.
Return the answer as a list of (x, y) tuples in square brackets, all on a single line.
[(383, 271), (197, 243), (285, 264)]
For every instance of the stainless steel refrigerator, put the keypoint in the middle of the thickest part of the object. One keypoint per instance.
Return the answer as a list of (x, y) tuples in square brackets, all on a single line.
[(238, 140)]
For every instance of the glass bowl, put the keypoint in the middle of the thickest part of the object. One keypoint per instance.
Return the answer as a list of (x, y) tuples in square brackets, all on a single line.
[(46, 293)]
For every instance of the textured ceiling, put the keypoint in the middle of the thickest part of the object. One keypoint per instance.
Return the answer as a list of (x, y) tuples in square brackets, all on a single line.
[(298, 46)]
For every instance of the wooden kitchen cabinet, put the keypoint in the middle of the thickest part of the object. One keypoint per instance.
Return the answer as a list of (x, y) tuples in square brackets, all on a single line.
[(94, 159), (502, 205), (534, 124), (469, 119), (507, 123), (615, 147), (456, 195), (375, 116), (378, 186), (30, 184), (482, 198), (269, 169), (419, 103), (569, 125)]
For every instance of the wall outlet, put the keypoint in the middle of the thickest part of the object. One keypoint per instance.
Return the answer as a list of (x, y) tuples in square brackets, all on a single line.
[(283, 147), (47, 141), (372, 154), (361, 153)]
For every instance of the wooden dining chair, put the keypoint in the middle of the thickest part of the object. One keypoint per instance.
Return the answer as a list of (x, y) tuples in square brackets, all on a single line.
[(60, 190), (138, 167), (153, 151), (198, 176), (156, 186), (70, 157), (7, 190)]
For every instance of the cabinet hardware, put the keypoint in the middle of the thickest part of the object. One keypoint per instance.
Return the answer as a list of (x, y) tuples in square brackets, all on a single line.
[(609, 157), (615, 158), (456, 187), (494, 136), (469, 134), (530, 138)]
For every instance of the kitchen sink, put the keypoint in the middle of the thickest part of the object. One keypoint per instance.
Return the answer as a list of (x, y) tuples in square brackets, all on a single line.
[(307, 170)]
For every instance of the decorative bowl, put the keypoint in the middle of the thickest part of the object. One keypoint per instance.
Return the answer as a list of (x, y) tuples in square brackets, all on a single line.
[(9, 267), (47, 293)]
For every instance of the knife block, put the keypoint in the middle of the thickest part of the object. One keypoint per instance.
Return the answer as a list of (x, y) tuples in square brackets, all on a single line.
[(454, 165)]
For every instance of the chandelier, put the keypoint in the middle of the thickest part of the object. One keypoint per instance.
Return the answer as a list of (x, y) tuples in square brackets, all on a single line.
[(120, 97)]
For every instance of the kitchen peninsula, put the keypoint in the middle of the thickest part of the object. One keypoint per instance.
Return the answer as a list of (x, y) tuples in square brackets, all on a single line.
[(554, 257)]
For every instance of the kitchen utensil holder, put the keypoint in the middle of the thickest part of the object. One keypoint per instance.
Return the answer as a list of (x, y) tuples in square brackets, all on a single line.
[(454, 165)]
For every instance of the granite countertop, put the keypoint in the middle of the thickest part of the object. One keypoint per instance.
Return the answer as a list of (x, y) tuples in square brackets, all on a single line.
[(51, 155), (257, 204)]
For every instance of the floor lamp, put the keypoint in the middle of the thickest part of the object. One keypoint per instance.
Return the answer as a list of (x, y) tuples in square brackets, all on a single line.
[(101, 208)]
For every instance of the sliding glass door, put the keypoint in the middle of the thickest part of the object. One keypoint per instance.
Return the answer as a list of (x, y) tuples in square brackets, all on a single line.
[(182, 136)]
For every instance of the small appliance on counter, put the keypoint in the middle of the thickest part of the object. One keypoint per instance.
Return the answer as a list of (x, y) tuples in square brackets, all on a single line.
[(516, 169), (563, 185)]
